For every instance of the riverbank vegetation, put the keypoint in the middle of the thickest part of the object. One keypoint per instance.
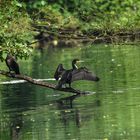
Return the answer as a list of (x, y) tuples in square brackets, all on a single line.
[(21, 21)]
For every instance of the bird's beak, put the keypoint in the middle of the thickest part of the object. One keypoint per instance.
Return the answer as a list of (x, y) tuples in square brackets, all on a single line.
[(80, 61)]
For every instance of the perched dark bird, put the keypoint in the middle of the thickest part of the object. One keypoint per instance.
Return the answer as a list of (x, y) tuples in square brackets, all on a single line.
[(74, 74), (60, 70), (12, 64)]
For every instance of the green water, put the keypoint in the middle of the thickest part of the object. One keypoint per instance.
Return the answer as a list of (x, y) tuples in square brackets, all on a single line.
[(110, 112)]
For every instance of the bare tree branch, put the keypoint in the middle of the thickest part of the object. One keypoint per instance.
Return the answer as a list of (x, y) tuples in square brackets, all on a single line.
[(40, 83)]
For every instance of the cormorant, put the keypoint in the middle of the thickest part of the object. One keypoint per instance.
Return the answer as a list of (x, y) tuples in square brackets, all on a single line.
[(12, 64), (60, 70), (74, 74)]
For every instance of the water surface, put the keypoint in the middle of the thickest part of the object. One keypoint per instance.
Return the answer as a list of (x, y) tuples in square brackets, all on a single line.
[(110, 112)]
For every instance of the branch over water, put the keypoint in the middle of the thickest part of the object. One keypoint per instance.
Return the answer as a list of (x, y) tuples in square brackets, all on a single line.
[(41, 83)]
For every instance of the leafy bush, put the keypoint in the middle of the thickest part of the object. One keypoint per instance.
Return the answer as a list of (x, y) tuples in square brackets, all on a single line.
[(15, 33)]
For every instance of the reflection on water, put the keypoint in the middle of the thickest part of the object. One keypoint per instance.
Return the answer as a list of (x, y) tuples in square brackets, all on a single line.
[(29, 112), (23, 81)]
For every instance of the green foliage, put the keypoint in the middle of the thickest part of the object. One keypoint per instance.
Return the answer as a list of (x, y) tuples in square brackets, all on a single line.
[(16, 17), (89, 14), (14, 29)]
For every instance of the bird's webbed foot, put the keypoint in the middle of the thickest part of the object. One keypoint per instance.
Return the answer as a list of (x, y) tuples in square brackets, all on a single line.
[(12, 74), (69, 87)]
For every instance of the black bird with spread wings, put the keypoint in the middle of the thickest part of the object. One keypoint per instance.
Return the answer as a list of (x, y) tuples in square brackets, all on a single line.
[(12, 64), (74, 74)]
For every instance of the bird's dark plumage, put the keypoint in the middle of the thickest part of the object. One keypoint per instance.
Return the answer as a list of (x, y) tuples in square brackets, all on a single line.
[(12, 64), (83, 74), (74, 74), (59, 72)]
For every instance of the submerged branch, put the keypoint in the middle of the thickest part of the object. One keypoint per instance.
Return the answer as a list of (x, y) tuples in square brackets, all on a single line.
[(40, 83)]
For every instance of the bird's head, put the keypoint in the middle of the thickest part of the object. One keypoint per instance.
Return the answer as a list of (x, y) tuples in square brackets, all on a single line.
[(74, 62)]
